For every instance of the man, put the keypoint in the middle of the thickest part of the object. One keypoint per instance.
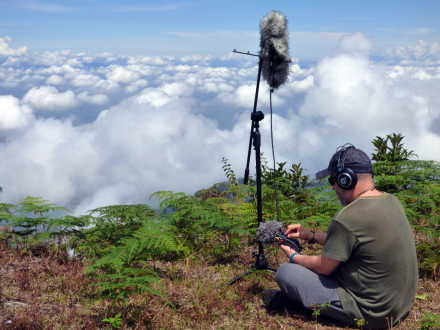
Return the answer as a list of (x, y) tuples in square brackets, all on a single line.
[(368, 265)]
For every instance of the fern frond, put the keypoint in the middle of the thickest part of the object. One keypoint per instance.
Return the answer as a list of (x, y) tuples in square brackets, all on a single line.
[(128, 282)]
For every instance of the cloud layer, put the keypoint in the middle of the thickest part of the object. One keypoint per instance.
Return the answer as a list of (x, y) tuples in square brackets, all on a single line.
[(88, 131)]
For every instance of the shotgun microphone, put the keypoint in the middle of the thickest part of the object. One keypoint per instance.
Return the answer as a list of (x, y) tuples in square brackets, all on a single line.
[(274, 52)]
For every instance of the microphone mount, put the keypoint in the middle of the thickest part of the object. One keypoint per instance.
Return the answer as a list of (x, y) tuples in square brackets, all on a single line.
[(248, 53), (235, 51)]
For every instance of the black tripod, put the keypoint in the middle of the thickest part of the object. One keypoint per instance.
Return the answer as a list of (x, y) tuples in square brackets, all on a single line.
[(255, 140)]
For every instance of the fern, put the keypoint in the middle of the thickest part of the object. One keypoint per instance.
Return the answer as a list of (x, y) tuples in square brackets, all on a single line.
[(123, 276), (126, 283), (229, 172), (26, 228), (168, 199), (107, 228)]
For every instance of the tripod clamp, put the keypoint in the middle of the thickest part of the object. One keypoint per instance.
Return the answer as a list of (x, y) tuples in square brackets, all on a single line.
[(257, 116)]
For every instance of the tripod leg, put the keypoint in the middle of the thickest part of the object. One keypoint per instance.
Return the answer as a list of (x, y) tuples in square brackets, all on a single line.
[(246, 172), (236, 279)]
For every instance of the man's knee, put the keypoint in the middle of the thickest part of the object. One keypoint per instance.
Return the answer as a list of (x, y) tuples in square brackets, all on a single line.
[(282, 273), (288, 273)]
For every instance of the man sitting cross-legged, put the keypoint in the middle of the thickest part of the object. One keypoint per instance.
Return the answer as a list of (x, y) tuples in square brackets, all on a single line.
[(368, 265)]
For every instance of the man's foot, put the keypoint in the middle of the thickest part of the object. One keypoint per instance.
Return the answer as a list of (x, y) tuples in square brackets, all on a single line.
[(276, 300)]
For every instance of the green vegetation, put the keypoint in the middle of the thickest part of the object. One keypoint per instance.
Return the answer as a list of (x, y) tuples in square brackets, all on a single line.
[(114, 321), (430, 321), (360, 323), (158, 270), (317, 309)]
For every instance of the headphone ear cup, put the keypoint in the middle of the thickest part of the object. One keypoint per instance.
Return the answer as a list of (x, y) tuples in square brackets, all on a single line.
[(347, 179)]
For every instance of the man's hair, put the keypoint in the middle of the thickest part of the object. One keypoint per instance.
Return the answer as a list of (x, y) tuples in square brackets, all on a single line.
[(364, 176)]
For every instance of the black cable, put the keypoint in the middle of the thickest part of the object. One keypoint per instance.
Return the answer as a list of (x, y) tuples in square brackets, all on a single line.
[(273, 154)]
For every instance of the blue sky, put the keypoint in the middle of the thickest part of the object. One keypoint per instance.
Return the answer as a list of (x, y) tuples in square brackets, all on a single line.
[(107, 102), (210, 27)]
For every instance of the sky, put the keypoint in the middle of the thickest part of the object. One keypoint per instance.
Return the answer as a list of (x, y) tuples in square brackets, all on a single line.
[(105, 103)]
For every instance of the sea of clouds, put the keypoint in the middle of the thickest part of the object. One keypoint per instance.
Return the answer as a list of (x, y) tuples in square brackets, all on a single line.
[(87, 131)]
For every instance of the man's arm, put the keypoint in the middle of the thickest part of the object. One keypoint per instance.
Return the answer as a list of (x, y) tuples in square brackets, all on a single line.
[(299, 231), (319, 237), (319, 264)]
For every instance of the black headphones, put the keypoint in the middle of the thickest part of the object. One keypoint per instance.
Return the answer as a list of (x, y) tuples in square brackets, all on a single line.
[(346, 178)]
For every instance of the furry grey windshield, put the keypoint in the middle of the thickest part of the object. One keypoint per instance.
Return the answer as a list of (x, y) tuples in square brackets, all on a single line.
[(267, 231)]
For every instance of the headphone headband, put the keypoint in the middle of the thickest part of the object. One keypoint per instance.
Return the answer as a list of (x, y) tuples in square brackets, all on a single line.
[(343, 149), (346, 177)]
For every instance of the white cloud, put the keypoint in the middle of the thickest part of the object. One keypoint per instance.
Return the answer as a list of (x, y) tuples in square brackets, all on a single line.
[(140, 83), (10, 78), (5, 50), (48, 159), (74, 62), (120, 74), (300, 81), (215, 87), (48, 98), (177, 89), (354, 97), (12, 114), (106, 57), (99, 99), (51, 58), (244, 96), (53, 69), (356, 44), (12, 61), (85, 80), (55, 80), (107, 85), (120, 192), (302, 86), (153, 98), (144, 70), (199, 59), (135, 85), (423, 53), (150, 60), (131, 89), (132, 148)]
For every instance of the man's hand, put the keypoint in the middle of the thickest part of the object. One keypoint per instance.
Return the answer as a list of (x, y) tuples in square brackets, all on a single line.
[(319, 264), (298, 231), (288, 251)]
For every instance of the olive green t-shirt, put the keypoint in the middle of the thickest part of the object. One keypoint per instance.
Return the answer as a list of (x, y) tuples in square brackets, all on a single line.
[(377, 276)]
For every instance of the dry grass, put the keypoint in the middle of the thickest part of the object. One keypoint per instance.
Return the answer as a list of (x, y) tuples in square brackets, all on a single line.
[(58, 297)]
